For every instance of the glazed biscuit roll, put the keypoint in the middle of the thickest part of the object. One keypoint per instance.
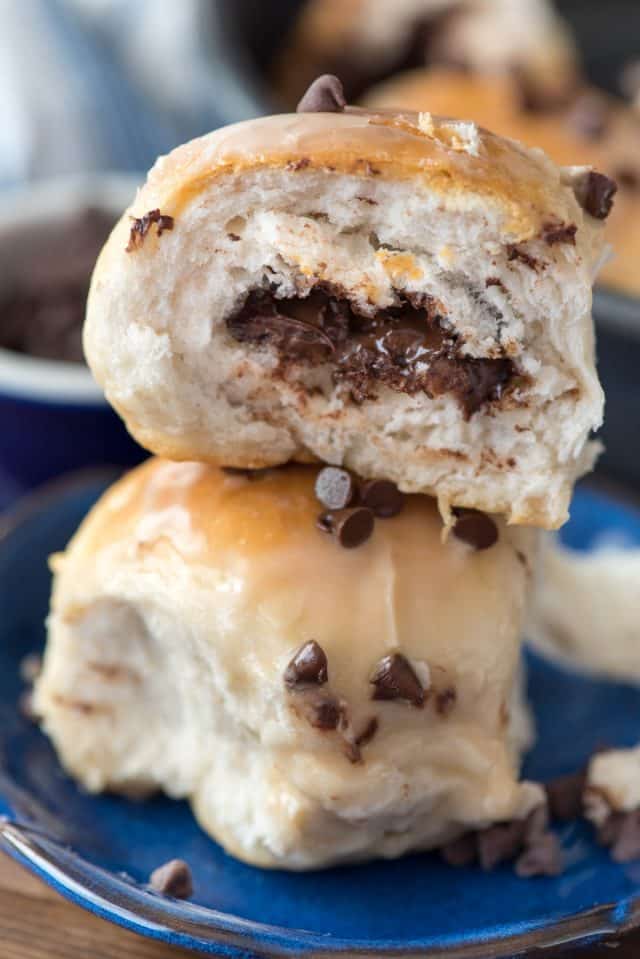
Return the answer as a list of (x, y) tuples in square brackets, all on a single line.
[(317, 699), (406, 296)]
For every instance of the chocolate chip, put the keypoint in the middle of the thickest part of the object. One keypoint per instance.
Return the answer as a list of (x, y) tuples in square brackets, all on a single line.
[(395, 678), (537, 823), (325, 95), (335, 487), (595, 192), (628, 177), (542, 857), (553, 233), (320, 708), (590, 116), (460, 852), (353, 746), (475, 528), (173, 879), (140, 226), (367, 734), (307, 667), (445, 700), (609, 831), (517, 253), (564, 795), (630, 79), (383, 497), (500, 843), (30, 668), (351, 527)]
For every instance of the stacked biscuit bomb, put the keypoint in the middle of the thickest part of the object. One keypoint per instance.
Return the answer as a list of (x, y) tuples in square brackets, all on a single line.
[(171, 503)]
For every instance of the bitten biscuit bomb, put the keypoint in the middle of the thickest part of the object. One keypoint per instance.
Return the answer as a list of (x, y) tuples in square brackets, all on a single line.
[(406, 296)]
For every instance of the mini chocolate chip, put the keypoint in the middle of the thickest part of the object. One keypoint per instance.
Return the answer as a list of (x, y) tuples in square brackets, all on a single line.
[(351, 527), (320, 708), (542, 857), (30, 668), (609, 832), (517, 253), (628, 177), (500, 843), (307, 667), (589, 116), (553, 233), (537, 823), (395, 678), (367, 734), (445, 700), (140, 226), (626, 846), (475, 528), (564, 795), (325, 95), (335, 487), (460, 852), (630, 79), (173, 879), (383, 497), (595, 192)]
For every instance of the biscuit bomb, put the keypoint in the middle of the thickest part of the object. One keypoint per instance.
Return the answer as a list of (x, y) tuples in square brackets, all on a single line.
[(320, 692), (406, 296)]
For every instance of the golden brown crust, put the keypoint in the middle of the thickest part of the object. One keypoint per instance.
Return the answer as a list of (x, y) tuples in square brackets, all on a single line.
[(387, 145)]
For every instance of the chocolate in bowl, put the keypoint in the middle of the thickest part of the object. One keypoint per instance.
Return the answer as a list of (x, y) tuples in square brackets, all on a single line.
[(53, 416), (42, 307)]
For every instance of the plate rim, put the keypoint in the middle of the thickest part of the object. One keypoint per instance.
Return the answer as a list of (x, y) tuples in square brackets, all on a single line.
[(130, 904)]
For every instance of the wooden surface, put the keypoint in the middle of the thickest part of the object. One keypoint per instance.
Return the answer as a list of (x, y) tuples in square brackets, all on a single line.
[(36, 923)]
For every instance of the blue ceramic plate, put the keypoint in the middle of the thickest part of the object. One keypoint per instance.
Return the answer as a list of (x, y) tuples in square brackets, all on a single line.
[(99, 851)]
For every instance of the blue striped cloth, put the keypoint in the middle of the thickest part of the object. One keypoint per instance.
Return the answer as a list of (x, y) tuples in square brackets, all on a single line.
[(108, 84)]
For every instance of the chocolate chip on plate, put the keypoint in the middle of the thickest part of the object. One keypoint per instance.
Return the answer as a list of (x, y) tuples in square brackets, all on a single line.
[(173, 879), (475, 528), (383, 497), (307, 667), (351, 527), (564, 795), (626, 845), (461, 851), (325, 95), (394, 678), (335, 487), (542, 857), (595, 192)]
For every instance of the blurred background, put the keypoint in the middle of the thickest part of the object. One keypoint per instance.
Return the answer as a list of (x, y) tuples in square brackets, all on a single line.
[(92, 91)]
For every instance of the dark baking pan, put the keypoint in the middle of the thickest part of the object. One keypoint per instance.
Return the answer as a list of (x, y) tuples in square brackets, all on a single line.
[(608, 34)]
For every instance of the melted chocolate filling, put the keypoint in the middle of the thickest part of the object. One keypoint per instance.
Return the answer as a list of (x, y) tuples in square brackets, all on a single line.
[(405, 348)]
